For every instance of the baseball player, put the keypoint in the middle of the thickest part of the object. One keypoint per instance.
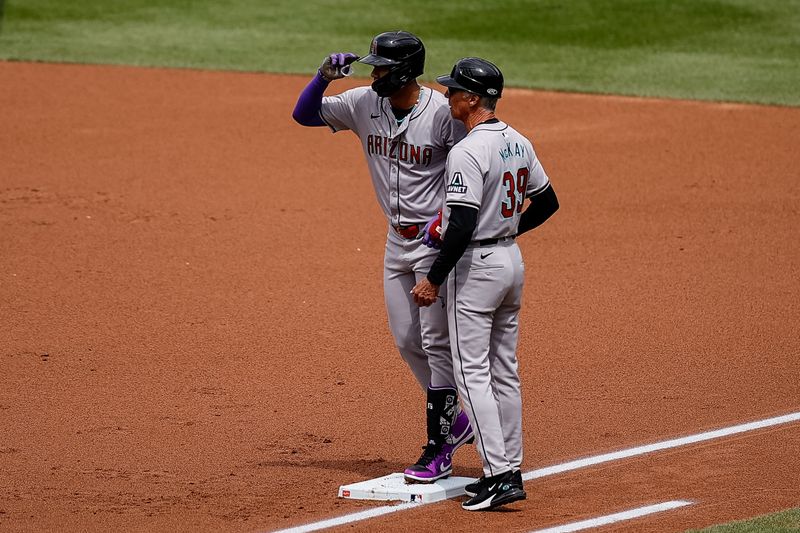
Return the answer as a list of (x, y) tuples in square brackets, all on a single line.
[(406, 132), (489, 175)]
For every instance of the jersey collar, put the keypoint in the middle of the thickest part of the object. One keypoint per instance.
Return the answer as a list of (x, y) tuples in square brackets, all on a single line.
[(424, 99), (490, 125)]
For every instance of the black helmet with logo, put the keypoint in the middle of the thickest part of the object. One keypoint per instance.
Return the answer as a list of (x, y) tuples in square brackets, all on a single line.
[(475, 75), (403, 53)]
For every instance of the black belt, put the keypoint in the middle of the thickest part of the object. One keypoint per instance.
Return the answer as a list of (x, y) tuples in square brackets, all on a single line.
[(490, 242)]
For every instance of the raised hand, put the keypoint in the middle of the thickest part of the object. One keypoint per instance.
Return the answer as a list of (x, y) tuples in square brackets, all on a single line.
[(337, 65)]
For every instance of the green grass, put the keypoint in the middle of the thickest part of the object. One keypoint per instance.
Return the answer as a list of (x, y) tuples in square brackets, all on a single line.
[(730, 50), (784, 522)]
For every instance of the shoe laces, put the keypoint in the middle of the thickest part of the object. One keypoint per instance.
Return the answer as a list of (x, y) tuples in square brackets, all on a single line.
[(429, 453), (480, 483)]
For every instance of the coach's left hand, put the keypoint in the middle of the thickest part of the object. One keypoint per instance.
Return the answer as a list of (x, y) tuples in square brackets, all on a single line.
[(425, 293)]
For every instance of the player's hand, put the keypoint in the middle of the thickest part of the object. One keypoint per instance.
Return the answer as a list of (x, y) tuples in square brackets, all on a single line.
[(425, 293), (337, 65), (432, 233)]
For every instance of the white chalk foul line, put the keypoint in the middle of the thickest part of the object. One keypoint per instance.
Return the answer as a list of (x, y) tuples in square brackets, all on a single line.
[(350, 518), (616, 517), (658, 446), (566, 467)]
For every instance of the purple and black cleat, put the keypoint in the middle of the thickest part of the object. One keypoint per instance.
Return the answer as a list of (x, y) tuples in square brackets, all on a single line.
[(436, 461)]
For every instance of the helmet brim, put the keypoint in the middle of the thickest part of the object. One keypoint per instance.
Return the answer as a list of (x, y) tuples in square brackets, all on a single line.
[(447, 81), (378, 61)]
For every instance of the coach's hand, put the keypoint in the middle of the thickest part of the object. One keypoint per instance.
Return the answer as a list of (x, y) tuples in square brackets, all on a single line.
[(337, 66), (425, 293)]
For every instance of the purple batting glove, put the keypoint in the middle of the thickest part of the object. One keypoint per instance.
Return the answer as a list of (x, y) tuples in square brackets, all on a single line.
[(337, 65), (432, 232)]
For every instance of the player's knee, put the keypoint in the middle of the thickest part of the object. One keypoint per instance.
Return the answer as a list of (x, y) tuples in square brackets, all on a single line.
[(437, 348), (409, 346)]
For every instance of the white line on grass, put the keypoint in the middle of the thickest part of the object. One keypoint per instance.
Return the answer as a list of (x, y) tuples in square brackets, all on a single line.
[(616, 517), (566, 467)]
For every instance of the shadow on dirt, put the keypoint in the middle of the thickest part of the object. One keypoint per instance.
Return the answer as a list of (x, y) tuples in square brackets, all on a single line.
[(366, 468)]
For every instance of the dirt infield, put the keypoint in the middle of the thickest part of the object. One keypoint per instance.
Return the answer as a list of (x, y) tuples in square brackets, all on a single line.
[(193, 333)]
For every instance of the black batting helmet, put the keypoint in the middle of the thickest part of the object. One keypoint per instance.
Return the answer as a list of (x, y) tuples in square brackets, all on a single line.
[(402, 52), (475, 75)]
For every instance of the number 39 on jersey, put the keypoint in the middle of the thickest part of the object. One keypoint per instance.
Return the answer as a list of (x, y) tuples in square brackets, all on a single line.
[(514, 187)]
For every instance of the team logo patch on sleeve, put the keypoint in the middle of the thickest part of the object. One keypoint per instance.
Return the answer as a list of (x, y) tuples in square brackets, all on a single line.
[(457, 184)]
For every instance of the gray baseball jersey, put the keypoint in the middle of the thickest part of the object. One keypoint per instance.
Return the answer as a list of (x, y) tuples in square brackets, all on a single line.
[(406, 161), (493, 170)]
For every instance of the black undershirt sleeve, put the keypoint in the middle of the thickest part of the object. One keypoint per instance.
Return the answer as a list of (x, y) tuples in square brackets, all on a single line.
[(460, 226), (542, 207)]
